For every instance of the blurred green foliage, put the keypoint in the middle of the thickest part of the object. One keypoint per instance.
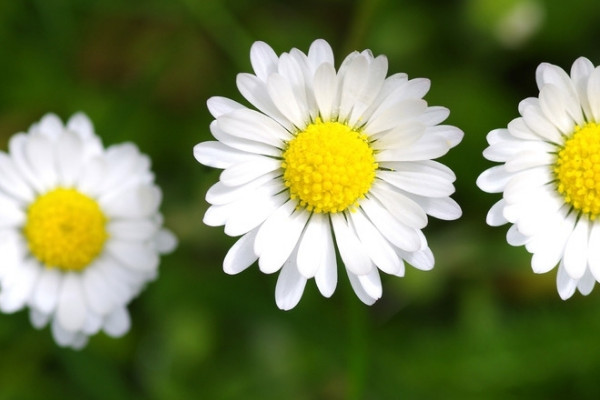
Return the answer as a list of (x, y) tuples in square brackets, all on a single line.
[(480, 325)]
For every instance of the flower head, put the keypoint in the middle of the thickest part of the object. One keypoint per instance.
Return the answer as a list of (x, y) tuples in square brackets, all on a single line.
[(329, 159), (550, 176), (80, 227)]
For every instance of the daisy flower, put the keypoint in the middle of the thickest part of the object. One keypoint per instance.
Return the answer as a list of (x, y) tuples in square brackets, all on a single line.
[(550, 176), (330, 159), (80, 229)]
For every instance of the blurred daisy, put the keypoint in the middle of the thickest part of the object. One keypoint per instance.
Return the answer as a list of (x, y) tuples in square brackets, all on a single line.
[(330, 159), (80, 229), (550, 176)]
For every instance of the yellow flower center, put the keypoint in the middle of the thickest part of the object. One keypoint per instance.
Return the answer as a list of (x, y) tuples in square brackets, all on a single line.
[(328, 167), (577, 169), (65, 229)]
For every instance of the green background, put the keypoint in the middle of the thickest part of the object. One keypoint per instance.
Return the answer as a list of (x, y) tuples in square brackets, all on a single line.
[(480, 325)]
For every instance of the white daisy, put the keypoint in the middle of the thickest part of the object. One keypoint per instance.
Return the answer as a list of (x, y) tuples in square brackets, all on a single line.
[(80, 229), (330, 158), (550, 176)]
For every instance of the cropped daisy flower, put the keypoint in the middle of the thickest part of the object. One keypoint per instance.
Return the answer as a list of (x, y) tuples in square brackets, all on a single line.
[(550, 176), (330, 159), (80, 229)]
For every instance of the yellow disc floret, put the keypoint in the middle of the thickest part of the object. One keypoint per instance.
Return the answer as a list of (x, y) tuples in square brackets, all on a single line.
[(577, 170), (65, 229), (328, 167)]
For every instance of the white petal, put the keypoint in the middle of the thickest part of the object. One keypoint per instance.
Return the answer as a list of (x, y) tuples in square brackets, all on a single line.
[(320, 53), (325, 90), (361, 293), (495, 217), (285, 99), (132, 229), (218, 155), (38, 319), (263, 60), (311, 245), (165, 241), (250, 212), (136, 202), (371, 283), (62, 336), (281, 242), (594, 250), (442, 208), (241, 255), (18, 287), (422, 259), (556, 107), (92, 324), (117, 323), (218, 106), (514, 237), (13, 182), (69, 158), (46, 292), (575, 257), (326, 275), (377, 247), (351, 249), (252, 147), (421, 181), (580, 72), (136, 255), (564, 283), (71, 308), (252, 125), (537, 122), (290, 285), (403, 208), (255, 91), (396, 232), (586, 283), (494, 179), (593, 93), (245, 172)]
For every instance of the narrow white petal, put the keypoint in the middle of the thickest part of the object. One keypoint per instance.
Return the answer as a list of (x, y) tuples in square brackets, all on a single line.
[(441, 208), (71, 308), (132, 229), (61, 336), (580, 72), (286, 101), (320, 53), (422, 259), (263, 60), (371, 283), (252, 125), (564, 283), (96, 291), (519, 129), (218, 106), (514, 237), (351, 249), (325, 90), (17, 290), (218, 155), (245, 172), (494, 179), (165, 241), (423, 182), (586, 283), (593, 93), (538, 123), (136, 255), (377, 247), (529, 159), (136, 202), (495, 216), (282, 242), (311, 245), (396, 232), (361, 293), (38, 319), (290, 285), (255, 91), (46, 292), (403, 208), (555, 106), (81, 124), (594, 250), (251, 212), (576, 249), (117, 323), (241, 255), (326, 275)]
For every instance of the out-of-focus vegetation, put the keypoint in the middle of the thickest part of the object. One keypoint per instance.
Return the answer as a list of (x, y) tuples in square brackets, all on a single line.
[(480, 325)]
